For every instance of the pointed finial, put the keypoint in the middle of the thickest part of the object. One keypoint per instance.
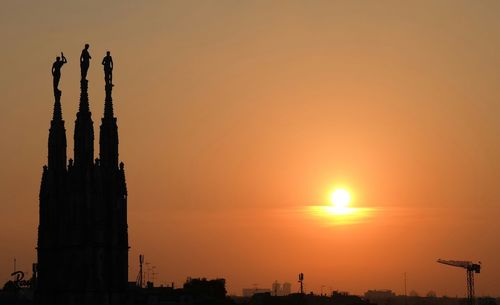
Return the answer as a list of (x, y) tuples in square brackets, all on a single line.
[(57, 113), (84, 97), (108, 102)]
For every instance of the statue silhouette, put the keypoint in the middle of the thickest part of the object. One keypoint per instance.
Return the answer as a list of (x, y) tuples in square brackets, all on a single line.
[(107, 62), (85, 61), (56, 71)]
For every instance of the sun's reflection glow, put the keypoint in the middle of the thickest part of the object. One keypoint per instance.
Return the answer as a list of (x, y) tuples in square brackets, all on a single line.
[(340, 212), (334, 215)]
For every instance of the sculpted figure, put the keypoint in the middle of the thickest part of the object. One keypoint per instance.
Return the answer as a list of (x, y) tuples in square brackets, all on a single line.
[(85, 61), (107, 62), (56, 70)]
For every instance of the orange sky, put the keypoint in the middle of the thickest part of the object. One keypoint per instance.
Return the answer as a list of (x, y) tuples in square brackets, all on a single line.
[(234, 116)]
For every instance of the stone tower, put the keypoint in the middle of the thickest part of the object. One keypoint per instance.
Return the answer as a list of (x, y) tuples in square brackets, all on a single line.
[(82, 235)]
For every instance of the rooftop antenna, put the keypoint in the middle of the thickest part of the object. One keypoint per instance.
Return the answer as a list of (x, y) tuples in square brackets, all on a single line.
[(140, 277), (405, 289), (301, 281)]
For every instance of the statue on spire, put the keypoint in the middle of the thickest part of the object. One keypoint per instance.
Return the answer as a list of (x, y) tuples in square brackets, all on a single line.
[(56, 71), (107, 62), (85, 61)]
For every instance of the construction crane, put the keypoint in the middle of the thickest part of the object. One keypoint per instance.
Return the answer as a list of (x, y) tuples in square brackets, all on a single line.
[(471, 268)]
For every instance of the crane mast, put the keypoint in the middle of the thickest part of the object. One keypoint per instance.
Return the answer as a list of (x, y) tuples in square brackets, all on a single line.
[(471, 268)]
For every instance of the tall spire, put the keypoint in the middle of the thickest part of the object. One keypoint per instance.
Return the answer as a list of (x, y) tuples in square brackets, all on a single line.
[(108, 102), (57, 138), (108, 138), (57, 114), (51, 196), (84, 97), (84, 130)]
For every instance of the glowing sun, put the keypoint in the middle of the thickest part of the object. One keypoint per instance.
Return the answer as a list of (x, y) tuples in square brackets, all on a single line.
[(340, 198), (339, 210)]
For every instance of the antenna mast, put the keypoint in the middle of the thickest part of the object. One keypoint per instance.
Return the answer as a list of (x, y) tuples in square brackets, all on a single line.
[(301, 281), (140, 277)]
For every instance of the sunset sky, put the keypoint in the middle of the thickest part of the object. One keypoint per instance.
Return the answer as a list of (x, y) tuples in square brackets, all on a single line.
[(237, 117)]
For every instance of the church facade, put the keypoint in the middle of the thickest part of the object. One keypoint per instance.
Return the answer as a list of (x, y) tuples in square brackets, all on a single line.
[(82, 249)]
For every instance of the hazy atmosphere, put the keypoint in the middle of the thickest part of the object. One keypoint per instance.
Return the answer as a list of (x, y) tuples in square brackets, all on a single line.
[(238, 118)]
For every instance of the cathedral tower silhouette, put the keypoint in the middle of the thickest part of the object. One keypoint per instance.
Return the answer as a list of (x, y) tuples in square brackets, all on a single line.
[(82, 235)]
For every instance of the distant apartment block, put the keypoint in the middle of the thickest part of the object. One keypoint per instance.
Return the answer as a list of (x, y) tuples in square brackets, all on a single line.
[(377, 295), (286, 289)]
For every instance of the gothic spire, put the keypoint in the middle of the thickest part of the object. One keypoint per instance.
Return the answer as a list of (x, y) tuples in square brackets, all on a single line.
[(57, 114), (57, 138), (108, 139), (84, 130), (84, 97), (108, 103)]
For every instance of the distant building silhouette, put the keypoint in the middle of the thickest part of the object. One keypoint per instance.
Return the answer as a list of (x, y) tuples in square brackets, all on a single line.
[(276, 289), (215, 289), (306, 299), (249, 292), (388, 297), (286, 289), (197, 291), (379, 295), (82, 235)]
